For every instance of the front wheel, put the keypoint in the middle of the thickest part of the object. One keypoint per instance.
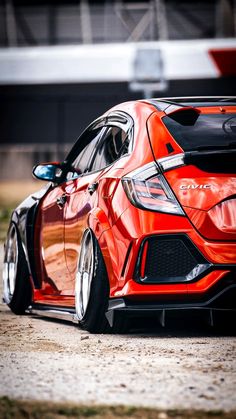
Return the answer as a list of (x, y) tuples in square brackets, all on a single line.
[(92, 287), (17, 291)]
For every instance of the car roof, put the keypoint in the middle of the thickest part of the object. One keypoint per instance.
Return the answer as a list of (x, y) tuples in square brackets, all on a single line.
[(202, 101)]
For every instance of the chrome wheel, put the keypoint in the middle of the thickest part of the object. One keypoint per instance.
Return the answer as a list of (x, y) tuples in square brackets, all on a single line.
[(10, 265), (84, 275)]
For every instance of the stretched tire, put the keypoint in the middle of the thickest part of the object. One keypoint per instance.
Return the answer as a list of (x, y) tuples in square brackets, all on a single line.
[(17, 291), (92, 287)]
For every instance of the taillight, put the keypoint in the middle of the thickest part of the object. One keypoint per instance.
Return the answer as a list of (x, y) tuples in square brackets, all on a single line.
[(172, 162), (148, 189)]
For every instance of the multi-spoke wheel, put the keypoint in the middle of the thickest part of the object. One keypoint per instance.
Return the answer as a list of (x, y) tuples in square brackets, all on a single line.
[(84, 275), (10, 265), (92, 287), (16, 285)]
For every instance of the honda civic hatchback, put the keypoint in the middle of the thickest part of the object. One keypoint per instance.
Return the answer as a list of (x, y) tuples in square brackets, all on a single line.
[(138, 220)]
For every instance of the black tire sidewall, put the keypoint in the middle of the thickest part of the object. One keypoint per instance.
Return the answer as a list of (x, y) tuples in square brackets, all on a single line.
[(22, 294), (94, 319)]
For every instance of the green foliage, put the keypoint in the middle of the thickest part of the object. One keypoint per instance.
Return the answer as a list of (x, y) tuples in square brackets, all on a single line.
[(12, 409), (5, 215)]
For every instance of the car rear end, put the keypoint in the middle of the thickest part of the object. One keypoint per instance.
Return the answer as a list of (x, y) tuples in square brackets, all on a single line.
[(182, 244)]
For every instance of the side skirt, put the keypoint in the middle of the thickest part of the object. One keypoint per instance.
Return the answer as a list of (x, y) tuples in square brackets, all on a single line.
[(60, 313)]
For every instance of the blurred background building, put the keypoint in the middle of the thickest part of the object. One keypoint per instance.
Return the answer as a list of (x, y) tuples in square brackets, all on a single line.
[(63, 63)]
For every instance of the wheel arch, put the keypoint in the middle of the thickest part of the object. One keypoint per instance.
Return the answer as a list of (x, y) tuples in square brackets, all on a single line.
[(17, 283), (100, 225), (24, 218), (24, 228)]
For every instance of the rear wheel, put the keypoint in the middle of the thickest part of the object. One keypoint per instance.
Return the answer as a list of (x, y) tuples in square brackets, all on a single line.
[(17, 291), (92, 287)]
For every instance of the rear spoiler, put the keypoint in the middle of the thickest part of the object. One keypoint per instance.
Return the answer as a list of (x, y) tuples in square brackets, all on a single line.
[(173, 109), (184, 115)]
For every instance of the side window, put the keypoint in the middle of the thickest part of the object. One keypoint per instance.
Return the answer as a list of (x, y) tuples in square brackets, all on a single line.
[(81, 162), (114, 144)]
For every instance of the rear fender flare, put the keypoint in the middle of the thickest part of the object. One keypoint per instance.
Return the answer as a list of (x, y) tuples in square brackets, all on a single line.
[(21, 243), (100, 225), (23, 219), (20, 233)]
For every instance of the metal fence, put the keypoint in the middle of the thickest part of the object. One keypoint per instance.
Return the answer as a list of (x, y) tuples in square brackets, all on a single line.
[(73, 22)]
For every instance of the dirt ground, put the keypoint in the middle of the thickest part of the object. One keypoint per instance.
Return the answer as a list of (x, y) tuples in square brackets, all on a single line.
[(175, 368)]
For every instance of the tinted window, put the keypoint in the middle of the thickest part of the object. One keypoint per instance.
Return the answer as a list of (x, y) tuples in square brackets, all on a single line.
[(206, 131), (80, 164), (113, 145)]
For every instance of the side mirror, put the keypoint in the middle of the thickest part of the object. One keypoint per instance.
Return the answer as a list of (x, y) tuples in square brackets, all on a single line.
[(48, 171)]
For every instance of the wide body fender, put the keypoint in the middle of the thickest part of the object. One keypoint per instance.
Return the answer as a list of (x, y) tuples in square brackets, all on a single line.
[(24, 219), (102, 229)]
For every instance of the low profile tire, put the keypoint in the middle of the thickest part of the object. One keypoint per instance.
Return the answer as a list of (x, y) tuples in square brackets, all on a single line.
[(92, 287), (17, 291)]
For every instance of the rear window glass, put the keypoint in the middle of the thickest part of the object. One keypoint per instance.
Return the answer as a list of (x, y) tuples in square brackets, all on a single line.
[(205, 132)]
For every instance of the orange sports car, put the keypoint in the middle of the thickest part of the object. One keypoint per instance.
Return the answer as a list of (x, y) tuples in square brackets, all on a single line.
[(138, 220)]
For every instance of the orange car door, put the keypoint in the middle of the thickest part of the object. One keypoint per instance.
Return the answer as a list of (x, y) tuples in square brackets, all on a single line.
[(52, 242)]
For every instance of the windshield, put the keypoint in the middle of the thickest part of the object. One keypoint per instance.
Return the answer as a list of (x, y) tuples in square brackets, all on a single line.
[(204, 132)]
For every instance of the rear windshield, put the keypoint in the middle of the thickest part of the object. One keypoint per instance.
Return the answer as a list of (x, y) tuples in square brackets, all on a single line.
[(203, 132)]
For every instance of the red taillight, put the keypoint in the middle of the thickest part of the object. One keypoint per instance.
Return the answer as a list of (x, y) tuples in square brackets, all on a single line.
[(147, 189)]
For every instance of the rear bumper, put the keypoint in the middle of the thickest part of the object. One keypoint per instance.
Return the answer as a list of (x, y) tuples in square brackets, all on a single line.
[(201, 290), (174, 258), (219, 301), (163, 254)]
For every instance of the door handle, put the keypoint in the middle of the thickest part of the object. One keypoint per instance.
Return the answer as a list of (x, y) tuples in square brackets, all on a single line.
[(92, 188), (61, 201)]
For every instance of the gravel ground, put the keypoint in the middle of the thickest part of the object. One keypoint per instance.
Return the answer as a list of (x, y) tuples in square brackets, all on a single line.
[(43, 359)]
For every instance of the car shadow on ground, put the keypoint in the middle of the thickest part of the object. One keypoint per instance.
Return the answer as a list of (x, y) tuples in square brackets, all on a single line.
[(175, 327), (182, 325)]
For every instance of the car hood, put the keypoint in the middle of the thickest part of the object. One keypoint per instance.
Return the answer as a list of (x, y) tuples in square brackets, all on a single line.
[(209, 200)]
